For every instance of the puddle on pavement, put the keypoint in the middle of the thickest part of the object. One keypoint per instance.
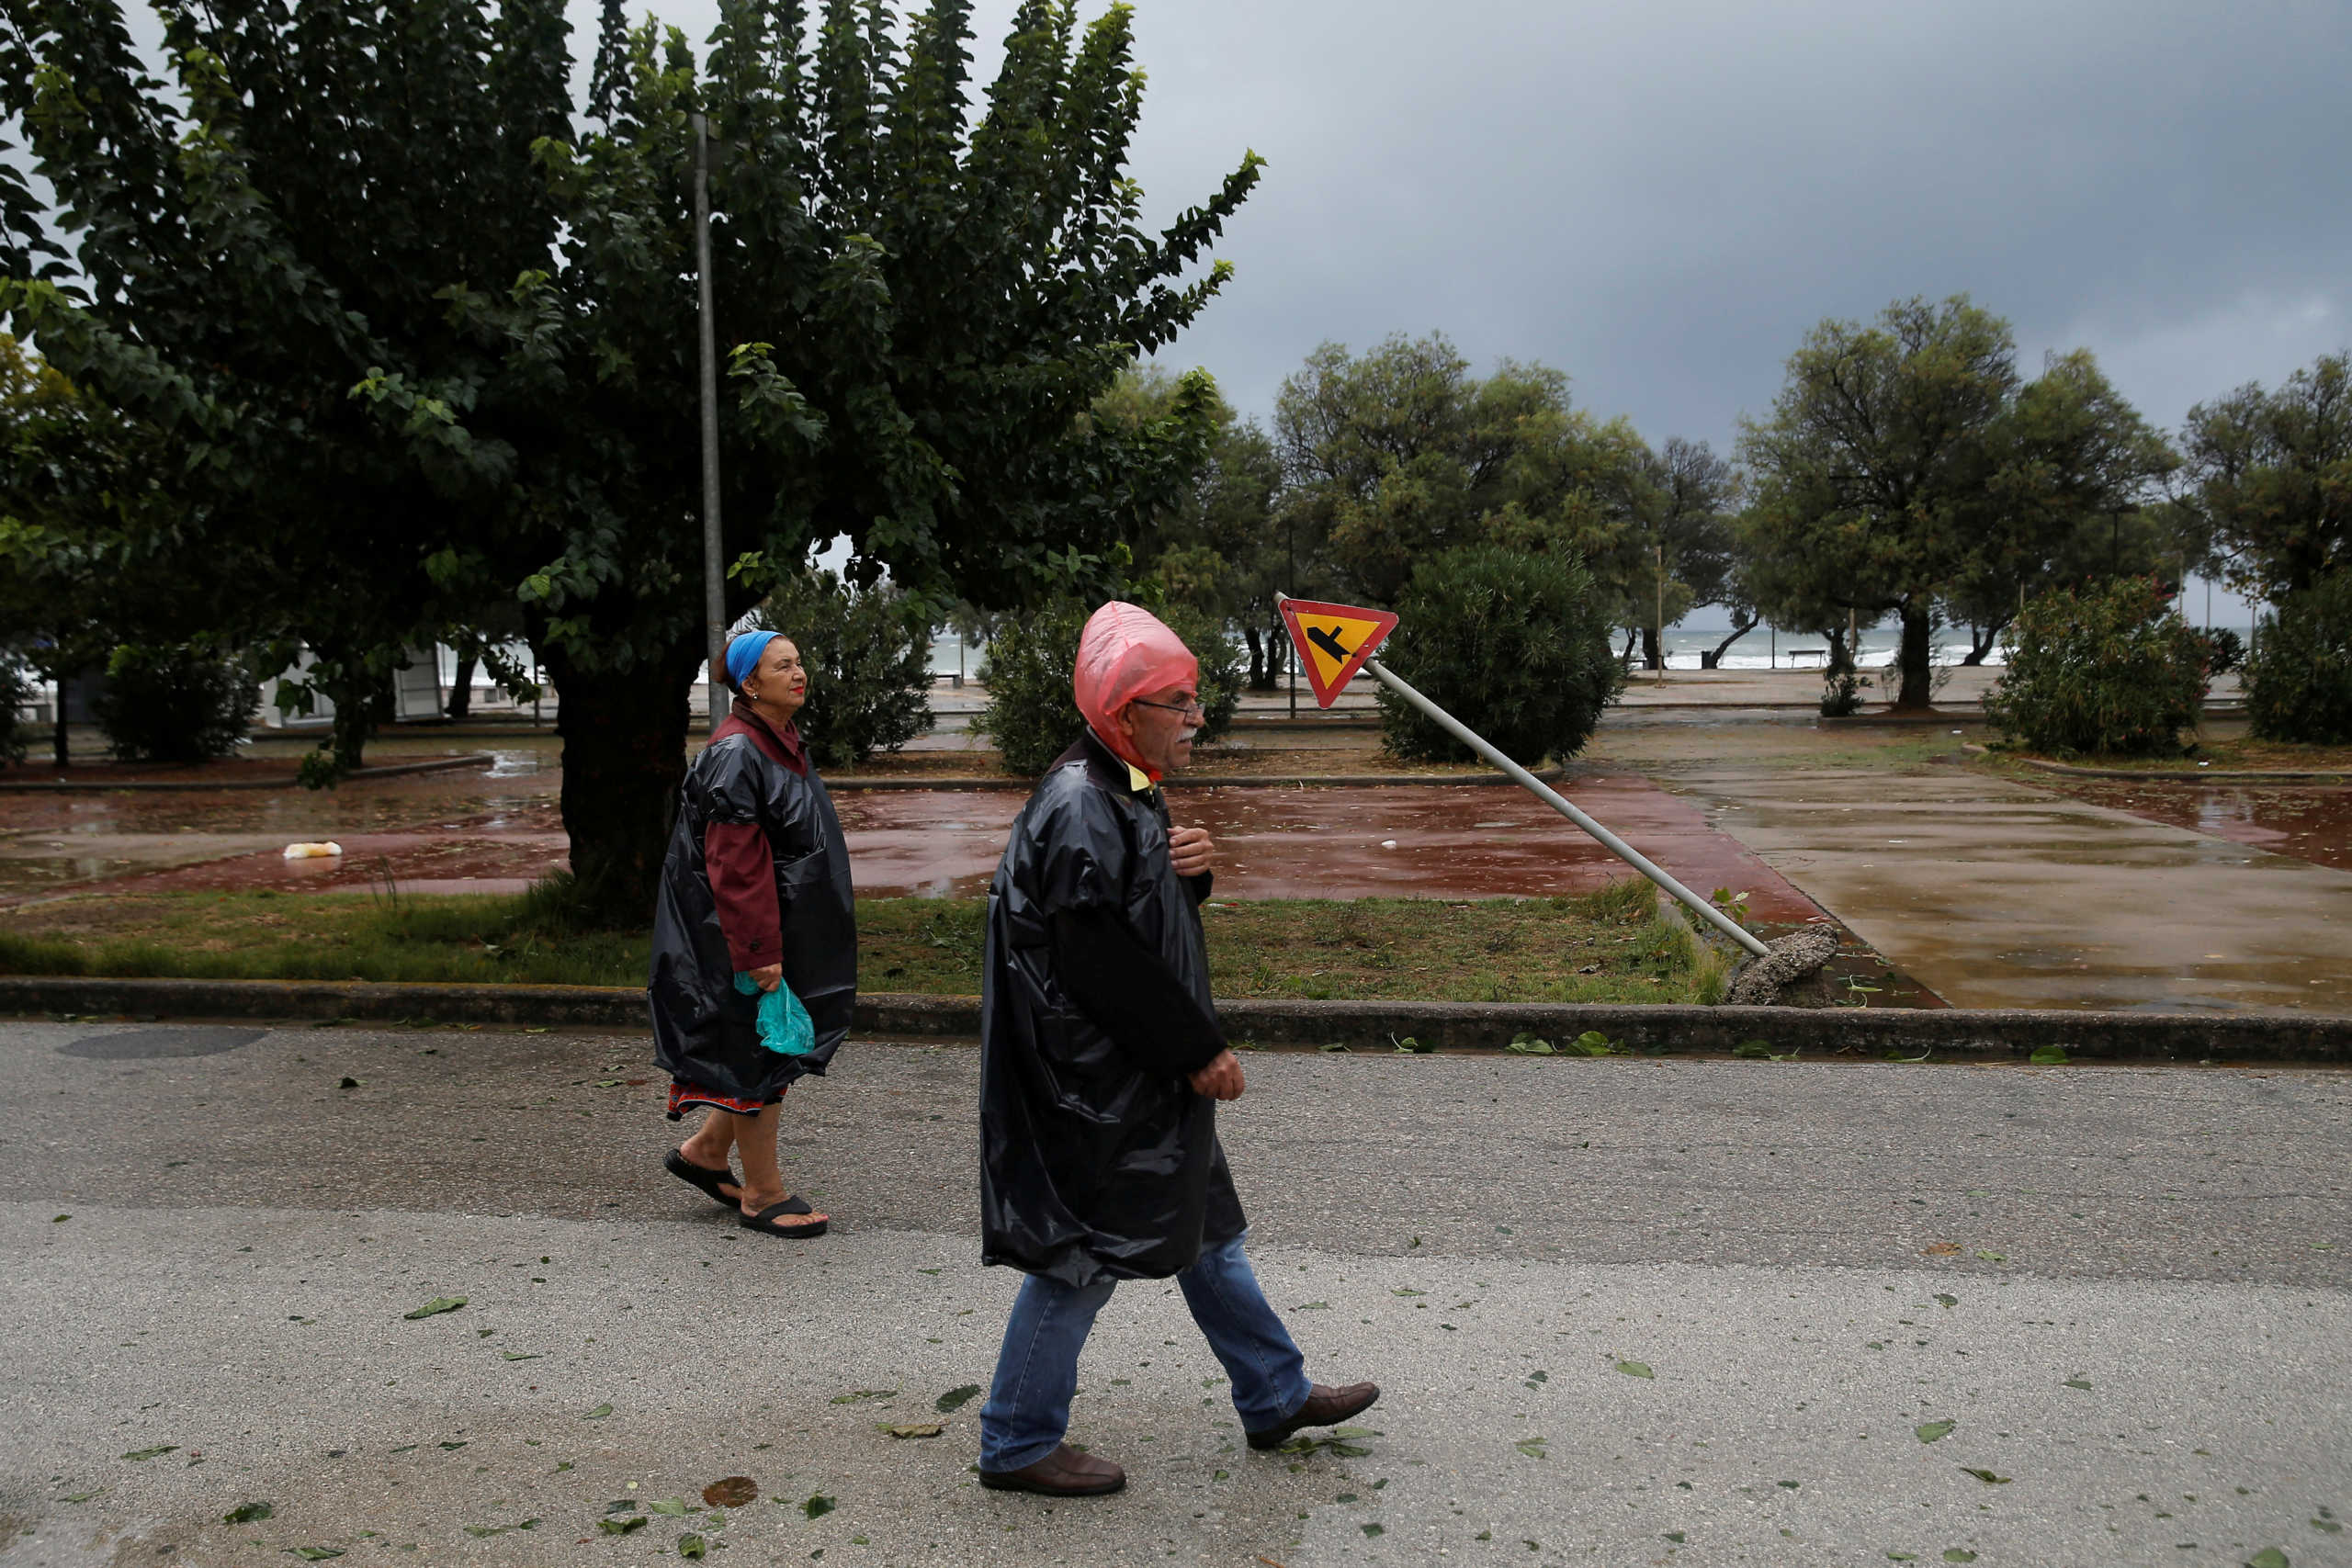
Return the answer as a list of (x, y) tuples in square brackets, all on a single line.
[(2311, 822)]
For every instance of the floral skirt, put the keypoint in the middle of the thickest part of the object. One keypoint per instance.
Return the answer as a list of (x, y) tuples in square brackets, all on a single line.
[(685, 1097)]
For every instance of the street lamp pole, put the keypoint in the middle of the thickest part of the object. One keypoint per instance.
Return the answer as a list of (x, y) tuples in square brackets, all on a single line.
[(714, 574)]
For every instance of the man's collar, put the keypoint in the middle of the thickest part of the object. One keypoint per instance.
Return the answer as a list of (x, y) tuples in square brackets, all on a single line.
[(1138, 782)]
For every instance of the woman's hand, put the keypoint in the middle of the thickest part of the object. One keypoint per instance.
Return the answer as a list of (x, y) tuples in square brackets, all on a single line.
[(768, 979), (1192, 851)]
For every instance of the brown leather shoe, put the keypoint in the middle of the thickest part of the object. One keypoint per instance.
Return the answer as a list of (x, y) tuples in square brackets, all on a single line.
[(1324, 1407), (1065, 1472)]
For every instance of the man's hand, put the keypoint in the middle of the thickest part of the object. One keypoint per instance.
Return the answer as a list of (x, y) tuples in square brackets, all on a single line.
[(1191, 851), (1221, 1079), (768, 979)]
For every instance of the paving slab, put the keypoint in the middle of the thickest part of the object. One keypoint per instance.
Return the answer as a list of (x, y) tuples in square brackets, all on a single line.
[(1995, 893)]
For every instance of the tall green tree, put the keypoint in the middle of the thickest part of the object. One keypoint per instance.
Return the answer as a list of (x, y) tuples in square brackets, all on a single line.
[(1395, 457), (2271, 478), (1908, 460), (473, 322)]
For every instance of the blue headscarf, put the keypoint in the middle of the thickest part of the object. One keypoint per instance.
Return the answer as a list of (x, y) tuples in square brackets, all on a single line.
[(743, 654)]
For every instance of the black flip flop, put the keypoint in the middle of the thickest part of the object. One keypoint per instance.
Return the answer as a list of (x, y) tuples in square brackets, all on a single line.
[(763, 1221), (704, 1179)]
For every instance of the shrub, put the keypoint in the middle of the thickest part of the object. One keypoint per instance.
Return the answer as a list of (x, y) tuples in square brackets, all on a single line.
[(2299, 683), (15, 690), (1514, 645), (1031, 714), (176, 703), (2224, 649), (1841, 693), (867, 651), (2108, 670)]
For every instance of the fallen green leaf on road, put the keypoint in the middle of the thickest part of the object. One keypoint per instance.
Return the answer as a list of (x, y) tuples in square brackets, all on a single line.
[(818, 1505), (1752, 1050), (1942, 1300), (85, 1496), (348, 1083), (2078, 1383), (1526, 1045), (622, 1527), (1371, 1530), (436, 1306), (519, 1356), (1901, 1557), (1958, 1554), (1994, 1256), (458, 1444), (1635, 1369), (1986, 1476), (621, 1505), (691, 1546), (669, 1507), (314, 1553), (731, 1492), (955, 1399), (598, 1414), (2049, 1056), (913, 1429), (1791, 1485), (1675, 1536), (2269, 1557), (60, 1219), (1933, 1431), (1593, 1042), (1531, 1447), (152, 1453), (1412, 1048)]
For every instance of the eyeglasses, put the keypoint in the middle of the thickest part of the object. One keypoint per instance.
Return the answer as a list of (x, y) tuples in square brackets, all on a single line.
[(1191, 706)]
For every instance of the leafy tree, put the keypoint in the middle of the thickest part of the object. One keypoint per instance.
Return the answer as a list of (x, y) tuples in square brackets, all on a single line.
[(84, 542), (467, 334), (2272, 477), (1694, 496), (1031, 713), (176, 703), (2298, 683), (1396, 457), (1908, 461)]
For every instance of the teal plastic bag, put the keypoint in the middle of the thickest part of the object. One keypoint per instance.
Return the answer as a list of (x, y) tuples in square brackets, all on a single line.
[(784, 1023)]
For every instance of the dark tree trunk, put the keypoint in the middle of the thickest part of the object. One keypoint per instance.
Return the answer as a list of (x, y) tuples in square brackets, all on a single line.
[(462, 690), (1652, 656), (1841, 658), (1714, 660), (623, 753), (1626, 658), (1917, 659), (58, 747), (1261, 678), (1981, 641)]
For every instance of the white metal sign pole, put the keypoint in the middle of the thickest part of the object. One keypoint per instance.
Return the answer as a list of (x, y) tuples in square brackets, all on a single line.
[(1553, 798)]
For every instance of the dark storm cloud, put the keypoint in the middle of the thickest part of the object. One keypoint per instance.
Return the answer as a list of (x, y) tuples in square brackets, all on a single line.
[(1660, 198)]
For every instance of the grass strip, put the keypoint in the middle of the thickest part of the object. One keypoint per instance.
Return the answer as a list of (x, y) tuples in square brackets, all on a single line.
[(1605, 946)]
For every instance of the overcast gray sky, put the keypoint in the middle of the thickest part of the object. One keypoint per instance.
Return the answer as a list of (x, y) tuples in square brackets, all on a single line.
[(1660, 198)]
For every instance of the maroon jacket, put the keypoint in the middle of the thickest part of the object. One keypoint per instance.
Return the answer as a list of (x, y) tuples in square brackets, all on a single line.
[(741, 862)]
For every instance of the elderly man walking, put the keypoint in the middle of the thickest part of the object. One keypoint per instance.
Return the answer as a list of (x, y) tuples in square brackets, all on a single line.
[(1101, 1064)]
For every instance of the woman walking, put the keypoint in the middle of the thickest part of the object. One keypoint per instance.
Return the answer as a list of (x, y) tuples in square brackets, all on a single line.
[(755, 895)]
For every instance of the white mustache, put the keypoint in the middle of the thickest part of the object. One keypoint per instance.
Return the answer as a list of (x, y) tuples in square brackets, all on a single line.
[(1184, 735)]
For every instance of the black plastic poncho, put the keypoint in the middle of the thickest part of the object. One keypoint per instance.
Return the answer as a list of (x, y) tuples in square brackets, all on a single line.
[(1097, 1159), (705, 1031)]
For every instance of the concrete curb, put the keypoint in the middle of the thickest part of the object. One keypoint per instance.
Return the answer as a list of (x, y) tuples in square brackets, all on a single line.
[(2146, 775), (1200, 781), (76, 787), (1852, 1033)]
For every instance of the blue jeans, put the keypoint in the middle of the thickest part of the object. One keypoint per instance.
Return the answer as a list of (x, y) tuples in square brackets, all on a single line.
[(1036, 1373)]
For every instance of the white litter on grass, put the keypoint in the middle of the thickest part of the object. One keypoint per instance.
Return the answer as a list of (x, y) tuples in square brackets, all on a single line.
[(312, 852)]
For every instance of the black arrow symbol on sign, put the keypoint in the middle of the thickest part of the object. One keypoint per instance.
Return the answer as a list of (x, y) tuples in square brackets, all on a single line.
[(1328, 643)]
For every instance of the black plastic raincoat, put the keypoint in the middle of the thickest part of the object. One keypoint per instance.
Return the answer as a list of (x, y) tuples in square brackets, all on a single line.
[(1097, 1158), (705, 1032)]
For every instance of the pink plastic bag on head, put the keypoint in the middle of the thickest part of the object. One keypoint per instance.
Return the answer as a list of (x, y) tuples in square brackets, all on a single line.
[(1125, 652)]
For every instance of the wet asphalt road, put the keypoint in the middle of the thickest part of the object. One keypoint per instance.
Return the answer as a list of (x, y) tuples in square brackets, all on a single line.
[(1816, 1264)]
